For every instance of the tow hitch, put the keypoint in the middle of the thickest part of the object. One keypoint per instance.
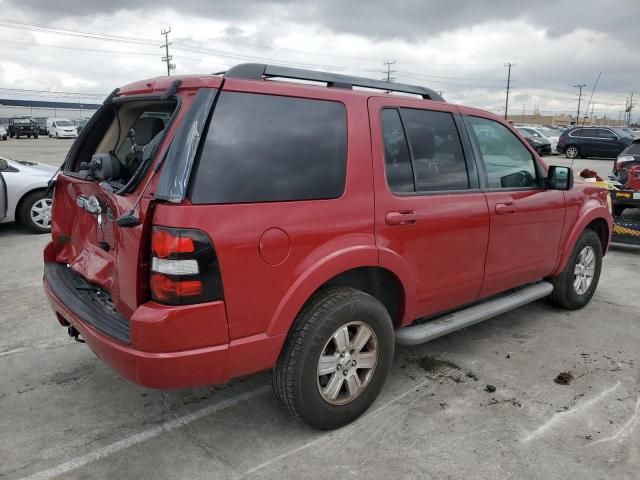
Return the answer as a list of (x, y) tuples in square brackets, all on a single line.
[(75, 334)]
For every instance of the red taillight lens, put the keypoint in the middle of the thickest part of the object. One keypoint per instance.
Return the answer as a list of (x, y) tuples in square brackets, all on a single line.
[(164, 243), (166, 290), (184, 267)]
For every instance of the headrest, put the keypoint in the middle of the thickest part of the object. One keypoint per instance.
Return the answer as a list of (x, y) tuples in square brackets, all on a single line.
[(422, 142), (147, 128)]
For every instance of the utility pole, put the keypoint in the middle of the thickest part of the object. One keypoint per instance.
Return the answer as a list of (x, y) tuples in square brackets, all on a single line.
[(388, 72), (580, 86), (506, 103), (167, 58), (630, 107)]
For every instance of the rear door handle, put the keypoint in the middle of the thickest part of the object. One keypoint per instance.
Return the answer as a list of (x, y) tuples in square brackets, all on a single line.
[(407, 217), (505, 208)]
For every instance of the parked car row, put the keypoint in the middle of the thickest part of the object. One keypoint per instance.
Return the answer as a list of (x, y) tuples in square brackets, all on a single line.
[(28, 126)]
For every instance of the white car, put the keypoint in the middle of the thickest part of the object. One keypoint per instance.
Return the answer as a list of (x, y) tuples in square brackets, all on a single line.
[(545, 133), (3, 133), (61, 128), (23, 196)]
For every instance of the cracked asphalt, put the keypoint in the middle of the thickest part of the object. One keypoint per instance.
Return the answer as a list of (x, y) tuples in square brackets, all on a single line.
[(64, 414)]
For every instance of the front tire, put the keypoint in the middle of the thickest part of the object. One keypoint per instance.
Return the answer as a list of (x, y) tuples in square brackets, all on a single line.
[(572, 152), (35, 212), (576, 284), (335, 359)]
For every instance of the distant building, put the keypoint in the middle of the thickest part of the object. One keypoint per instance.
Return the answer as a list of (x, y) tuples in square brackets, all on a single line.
[(10, 108), (563, 120)]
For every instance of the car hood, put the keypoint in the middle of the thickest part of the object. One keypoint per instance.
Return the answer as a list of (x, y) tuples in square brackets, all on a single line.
[(34, 169)]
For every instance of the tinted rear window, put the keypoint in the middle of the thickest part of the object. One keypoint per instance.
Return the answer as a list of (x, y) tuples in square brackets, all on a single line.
[(632, 149), (263, 148)]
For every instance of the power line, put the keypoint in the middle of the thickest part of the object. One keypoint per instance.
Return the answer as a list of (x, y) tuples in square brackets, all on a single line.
[(506, 103)]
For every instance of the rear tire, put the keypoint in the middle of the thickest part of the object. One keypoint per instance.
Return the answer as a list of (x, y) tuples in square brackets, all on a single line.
[(576, 284), (326, 337)]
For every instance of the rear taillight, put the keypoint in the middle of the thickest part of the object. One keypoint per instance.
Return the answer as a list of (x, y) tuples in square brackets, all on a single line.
[(184, 267)]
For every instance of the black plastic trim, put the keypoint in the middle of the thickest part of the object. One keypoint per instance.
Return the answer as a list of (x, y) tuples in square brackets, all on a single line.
[(260, 71), (86, 301)]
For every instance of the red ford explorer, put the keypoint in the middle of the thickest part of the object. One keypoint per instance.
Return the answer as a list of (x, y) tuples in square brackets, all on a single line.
[(208, 227)]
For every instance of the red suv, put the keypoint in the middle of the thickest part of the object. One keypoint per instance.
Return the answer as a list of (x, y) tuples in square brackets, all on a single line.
[(208, 227)]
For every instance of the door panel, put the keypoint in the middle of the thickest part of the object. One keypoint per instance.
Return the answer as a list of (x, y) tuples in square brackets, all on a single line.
[(442, 236), (524, 242), (526, 220)]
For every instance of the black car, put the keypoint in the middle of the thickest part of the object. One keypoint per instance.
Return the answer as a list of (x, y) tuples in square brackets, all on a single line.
[(22, 126), (542, 146), (585, 142)]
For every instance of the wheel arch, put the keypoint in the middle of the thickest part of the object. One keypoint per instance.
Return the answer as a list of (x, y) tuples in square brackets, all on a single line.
[(597, 219), (357, 268)]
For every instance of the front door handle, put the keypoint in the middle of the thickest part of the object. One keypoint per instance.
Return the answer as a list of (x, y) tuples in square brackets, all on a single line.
[(407, 217), (505, 208)]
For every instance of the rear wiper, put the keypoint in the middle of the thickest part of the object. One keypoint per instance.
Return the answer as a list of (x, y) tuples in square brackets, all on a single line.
[(171, 90)]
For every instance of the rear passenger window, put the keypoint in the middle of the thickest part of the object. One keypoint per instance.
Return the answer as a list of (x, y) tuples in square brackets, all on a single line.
[(263, 148), (423, 152), (438, 159), (396, 153)]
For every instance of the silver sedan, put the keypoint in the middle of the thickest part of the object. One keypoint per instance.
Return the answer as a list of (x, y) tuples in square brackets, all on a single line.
[(23, 196)]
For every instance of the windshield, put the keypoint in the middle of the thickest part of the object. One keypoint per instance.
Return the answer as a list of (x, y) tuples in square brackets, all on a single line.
[(547, 132), (525, 133), (64, 123), (21, 120)]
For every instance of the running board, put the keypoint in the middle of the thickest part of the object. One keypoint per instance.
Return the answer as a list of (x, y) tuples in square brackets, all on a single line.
[(424, 332)]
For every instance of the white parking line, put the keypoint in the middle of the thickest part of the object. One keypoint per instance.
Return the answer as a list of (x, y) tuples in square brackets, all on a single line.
[(558, 417), (342, 432), (169, 425)]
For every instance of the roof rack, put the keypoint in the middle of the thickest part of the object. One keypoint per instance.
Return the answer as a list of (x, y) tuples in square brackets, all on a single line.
[(259, 71)]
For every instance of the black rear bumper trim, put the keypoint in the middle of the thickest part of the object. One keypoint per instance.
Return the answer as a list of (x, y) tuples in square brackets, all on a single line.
[(85, 301)]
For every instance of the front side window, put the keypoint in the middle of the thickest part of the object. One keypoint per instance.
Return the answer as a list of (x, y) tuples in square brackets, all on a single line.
[(507, 162), (423, 152), (264, 148)]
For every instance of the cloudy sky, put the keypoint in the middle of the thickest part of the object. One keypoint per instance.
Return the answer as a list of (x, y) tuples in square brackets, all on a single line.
[(86, 48)]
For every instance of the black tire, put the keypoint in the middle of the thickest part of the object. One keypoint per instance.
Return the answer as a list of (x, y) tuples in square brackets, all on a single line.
[(24, 212), (295, 376), (35, 135), (572, 152), (564, 292)]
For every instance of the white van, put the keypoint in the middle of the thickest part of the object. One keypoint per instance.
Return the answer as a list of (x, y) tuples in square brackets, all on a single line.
[(61, 128)]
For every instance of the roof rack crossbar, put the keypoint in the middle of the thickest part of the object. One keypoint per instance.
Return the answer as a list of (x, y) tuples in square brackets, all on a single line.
[(259, 71)]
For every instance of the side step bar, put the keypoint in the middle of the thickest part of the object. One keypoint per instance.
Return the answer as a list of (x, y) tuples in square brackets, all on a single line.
[(424, 332)]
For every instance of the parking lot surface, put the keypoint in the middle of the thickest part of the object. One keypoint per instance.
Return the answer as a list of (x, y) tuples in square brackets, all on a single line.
[(65, 414)]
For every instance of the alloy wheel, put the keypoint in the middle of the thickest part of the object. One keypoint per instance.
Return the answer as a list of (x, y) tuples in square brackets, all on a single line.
[(584, 270), (347, 363)]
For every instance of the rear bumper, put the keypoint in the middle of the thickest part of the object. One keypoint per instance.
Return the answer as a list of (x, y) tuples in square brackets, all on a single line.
[(167, 346), (202, 366), (152, 360)]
